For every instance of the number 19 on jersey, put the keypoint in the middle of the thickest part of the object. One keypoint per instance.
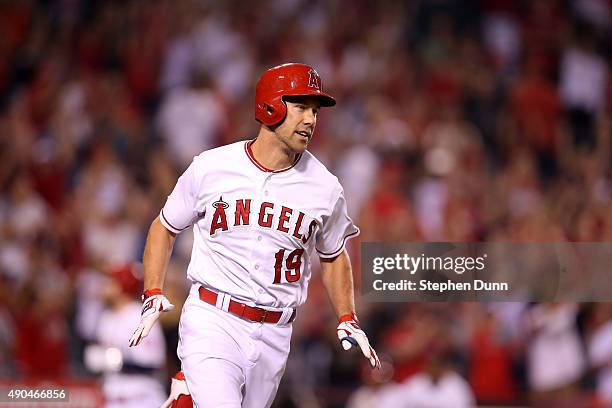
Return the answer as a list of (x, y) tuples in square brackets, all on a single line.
[(293, 263)]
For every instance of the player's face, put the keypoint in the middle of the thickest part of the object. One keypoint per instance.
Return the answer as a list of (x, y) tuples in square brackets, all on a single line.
[(299, 124)]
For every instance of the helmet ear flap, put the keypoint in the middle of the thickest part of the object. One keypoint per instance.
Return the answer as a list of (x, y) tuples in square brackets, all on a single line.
[(272, 113)]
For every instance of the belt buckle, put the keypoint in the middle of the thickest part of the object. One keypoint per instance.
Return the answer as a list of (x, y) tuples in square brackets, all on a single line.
[(263, 316)]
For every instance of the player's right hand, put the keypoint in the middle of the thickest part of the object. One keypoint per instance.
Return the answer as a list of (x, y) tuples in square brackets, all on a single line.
[(350, 334), (154, 302)]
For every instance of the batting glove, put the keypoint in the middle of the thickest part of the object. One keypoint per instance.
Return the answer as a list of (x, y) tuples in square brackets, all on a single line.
[(350, 334), (154, 302)]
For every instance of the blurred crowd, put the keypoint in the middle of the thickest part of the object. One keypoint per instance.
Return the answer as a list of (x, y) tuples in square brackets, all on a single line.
[(471, 121)]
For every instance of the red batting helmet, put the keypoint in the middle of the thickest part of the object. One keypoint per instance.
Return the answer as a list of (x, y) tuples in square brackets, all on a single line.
[(286, 80)]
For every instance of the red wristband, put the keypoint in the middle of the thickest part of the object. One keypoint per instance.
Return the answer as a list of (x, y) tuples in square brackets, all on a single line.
[(348, 317), (150, 292)]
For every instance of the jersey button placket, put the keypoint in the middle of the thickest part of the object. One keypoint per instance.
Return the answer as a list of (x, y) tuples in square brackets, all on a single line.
[(259, 250), (256, 236)]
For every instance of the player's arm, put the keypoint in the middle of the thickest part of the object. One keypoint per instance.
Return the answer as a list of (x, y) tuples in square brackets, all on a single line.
[(338, 281), (157, 252), (177, 215), (158, 249)]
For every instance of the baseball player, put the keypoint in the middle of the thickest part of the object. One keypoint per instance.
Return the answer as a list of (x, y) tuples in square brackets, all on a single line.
[(130, 375), (260, 210)]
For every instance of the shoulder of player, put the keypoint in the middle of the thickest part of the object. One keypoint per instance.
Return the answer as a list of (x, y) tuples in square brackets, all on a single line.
[(222, 151), (317, 170), (222, 154), (316, 174)]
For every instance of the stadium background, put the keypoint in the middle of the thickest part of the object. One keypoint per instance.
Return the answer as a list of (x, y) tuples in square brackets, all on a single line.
[(457, 121)]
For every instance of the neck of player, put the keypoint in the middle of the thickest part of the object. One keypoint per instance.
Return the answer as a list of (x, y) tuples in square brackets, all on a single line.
[(271, 152)]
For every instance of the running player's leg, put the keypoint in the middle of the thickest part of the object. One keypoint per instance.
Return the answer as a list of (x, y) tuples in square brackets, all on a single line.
[(263, 378), (211, 355), (213, 382)]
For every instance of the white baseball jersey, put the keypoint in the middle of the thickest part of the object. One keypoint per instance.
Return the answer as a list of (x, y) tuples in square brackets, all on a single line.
[(254, 228)]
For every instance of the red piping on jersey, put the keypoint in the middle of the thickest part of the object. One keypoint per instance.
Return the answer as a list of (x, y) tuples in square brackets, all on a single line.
[(324, 254), (249, 153), (168, 222)]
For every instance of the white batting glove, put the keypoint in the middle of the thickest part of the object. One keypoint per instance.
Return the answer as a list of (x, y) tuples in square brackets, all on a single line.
[(350, 334), (154, 302)]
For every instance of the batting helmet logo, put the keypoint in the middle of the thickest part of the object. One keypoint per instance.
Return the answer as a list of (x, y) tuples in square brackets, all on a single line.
[(286, 80), (314, 80)]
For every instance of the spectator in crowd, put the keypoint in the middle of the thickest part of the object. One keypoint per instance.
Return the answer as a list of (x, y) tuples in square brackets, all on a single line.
[(555, 359), (376, 389), (130, 375), (191, 119), (438, 386)]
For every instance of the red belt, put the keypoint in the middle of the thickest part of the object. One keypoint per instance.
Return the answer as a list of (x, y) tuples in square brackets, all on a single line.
[(255, 314)]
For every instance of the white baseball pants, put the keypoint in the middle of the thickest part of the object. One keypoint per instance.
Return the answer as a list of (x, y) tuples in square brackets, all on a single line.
[(230, 362)]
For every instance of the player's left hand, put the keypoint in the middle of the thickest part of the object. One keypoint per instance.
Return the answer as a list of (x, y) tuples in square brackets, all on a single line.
[(154, 302), (350, 334)]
